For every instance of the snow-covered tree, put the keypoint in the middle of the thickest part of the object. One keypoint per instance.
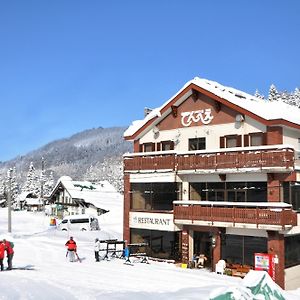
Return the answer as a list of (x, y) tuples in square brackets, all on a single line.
[(285, 97), (296, 97), (10, 185), (48, 184), (258, 95), (111, 169), (14, 186), (273, 93), (32, 183)]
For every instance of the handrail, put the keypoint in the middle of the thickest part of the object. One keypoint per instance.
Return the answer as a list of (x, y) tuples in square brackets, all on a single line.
[(270, 157), (227, 203), (278, 147), (267, 214)]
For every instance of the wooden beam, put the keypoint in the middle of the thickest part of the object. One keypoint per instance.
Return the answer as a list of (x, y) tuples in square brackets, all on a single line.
[(195, 95), (174, 110)]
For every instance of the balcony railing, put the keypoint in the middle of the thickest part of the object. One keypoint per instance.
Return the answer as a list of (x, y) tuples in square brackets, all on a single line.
[(277, 215), (265, 157)]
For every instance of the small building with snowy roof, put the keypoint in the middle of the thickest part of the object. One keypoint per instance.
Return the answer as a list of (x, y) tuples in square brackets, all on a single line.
[(70, 197), (28, 200)]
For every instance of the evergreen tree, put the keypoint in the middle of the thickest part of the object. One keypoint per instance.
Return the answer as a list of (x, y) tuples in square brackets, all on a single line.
[(258, 95), (296, 97), (285, 97), (32, 184), (14, 186), (48, 184), (273, 93)]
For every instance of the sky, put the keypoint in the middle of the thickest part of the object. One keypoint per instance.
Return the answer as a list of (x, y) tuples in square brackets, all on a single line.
[(70, 65)]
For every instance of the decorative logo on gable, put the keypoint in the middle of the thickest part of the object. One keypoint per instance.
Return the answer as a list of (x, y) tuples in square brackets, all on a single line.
[(204, 116)]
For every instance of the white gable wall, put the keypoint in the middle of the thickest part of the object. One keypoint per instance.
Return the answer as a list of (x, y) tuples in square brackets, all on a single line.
[(212, 133)]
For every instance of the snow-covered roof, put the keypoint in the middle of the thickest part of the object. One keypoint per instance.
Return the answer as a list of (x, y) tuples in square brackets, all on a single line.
[(102, 194), (262, 108), (34, 201), (24, 196)]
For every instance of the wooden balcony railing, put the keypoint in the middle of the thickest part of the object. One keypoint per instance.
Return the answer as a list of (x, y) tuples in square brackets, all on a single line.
[(266, 157), (261, 214)]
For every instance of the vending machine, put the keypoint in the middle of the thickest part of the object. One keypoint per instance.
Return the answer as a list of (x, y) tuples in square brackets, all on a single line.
[(266, 262)]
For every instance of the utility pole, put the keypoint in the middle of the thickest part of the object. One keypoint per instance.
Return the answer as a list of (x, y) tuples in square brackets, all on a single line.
[(42, 183), (9, 201)]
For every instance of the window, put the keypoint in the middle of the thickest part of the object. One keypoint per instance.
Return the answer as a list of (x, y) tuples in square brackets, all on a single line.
[(78, 221), (292, 253), (291, 192), (240, 249), (154, 196), (197, 144), (148, 147), (162, 244), (230, 141), (256, 139), (229, 191), (167, 145)]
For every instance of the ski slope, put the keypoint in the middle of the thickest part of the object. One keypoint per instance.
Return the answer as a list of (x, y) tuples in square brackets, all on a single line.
[(50, 275)]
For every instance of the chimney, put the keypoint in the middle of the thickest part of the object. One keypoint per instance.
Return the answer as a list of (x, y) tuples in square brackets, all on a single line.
[(147, 111)]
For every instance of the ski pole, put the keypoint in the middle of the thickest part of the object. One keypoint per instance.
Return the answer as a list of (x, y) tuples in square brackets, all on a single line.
[(77, 257)]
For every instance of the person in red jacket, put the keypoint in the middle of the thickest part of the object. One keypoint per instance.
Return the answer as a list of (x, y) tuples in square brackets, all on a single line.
[(72, 247), (10, 253), (2, 251)]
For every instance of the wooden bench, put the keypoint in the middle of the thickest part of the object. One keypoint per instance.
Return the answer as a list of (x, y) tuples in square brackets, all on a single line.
[(240, 271)]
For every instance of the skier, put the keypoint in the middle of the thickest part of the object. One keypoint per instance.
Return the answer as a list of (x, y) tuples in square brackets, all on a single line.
[(2, 251), (97, 246), (72, 247), (10, 253)]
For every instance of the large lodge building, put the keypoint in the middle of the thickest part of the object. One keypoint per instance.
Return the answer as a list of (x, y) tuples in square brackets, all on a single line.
[(216, 171)]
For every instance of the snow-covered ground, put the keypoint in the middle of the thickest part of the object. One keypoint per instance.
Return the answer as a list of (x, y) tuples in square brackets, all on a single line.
[(41, 248)]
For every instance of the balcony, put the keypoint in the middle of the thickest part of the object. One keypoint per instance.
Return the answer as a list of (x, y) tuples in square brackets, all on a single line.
[(262, 215), (264, 158)]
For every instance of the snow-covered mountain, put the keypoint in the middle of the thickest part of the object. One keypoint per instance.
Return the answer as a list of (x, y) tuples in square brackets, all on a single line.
[(93, 154)]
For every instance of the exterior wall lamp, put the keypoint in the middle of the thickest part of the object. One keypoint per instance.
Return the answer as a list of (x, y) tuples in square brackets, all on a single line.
[(213, 241)]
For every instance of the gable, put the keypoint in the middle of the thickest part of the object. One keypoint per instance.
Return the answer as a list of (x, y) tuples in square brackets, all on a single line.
[(265, 112), (198, 111)]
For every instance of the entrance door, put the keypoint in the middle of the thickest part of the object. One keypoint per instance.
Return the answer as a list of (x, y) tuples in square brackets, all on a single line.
[(202, 245)]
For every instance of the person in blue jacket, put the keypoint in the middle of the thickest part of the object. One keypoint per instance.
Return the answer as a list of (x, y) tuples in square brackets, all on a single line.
[(127, 254)]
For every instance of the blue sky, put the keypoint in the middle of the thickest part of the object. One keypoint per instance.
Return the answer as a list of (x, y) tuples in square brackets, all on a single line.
[(67, 66)]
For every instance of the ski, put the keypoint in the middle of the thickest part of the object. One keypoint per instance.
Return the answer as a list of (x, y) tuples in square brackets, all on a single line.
[(20, 268)]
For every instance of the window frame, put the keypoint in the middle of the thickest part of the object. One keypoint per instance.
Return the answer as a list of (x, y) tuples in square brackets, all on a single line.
[(199, 141)]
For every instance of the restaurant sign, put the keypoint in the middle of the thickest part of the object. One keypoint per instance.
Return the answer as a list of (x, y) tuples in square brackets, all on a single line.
[(152, 221)]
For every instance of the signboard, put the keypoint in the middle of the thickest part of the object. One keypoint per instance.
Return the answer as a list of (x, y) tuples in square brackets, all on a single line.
[(203, 115), (152, 221), (265, 262)]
